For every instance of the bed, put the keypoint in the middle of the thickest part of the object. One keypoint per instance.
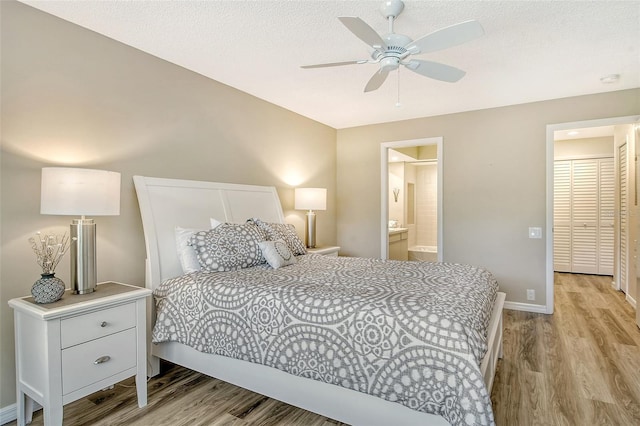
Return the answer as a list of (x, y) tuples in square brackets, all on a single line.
[(167, 203)]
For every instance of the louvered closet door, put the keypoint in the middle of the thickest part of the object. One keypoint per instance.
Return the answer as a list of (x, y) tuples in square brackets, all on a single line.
[(584, 223), (622, 150), (562, 216), (606, 216)]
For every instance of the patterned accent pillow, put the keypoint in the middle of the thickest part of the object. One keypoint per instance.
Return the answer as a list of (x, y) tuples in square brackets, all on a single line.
[(282, 231), (277, 253), (187, 254), (228, 247)]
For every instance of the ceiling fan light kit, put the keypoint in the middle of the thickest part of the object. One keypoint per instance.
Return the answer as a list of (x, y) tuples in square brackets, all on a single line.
[(392, 50)]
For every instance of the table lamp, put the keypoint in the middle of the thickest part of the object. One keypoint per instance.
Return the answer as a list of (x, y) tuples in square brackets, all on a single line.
[(81, 192), (310, 199)]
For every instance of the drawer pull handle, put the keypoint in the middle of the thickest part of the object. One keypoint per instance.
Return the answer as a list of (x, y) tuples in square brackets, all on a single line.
[(103, 324), (102, 359)]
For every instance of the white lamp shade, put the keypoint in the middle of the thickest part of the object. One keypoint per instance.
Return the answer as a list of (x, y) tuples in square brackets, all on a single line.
[(311, 199), (71, 191)]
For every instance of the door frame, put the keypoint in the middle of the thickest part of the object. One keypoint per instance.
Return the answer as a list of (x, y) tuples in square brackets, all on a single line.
[(617, 268), (384, 186), (551, 128)]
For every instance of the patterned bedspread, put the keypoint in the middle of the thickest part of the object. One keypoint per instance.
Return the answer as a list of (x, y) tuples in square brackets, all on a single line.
[(408, 332)]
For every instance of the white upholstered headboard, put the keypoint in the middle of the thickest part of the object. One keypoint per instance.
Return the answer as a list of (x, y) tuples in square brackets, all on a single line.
[(167, 203)]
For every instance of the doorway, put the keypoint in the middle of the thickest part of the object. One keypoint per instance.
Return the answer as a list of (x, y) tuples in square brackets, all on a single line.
[(620, 125), (584, 200), (387, 192)]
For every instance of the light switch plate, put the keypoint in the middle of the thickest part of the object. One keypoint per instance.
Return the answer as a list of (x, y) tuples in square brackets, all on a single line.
[(535, 232)]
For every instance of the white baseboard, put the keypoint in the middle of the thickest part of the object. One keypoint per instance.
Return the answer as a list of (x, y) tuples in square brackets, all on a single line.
[(632, 301), (10, 412), (526, 307)]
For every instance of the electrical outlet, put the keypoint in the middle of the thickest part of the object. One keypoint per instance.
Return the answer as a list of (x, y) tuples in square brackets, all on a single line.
[(531, 294)]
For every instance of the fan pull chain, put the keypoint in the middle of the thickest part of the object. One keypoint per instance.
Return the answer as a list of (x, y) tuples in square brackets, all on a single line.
[(398, 104)]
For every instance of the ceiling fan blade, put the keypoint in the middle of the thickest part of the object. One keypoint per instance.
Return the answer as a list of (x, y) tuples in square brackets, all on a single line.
[(332, 64), (376, 80), (447, 37), (363, 31), (436, 70)]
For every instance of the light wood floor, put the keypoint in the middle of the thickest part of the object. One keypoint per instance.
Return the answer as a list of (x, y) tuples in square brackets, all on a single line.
[(580, 366)]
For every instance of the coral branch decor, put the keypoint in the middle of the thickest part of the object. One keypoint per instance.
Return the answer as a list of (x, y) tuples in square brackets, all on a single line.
[(49, 249)]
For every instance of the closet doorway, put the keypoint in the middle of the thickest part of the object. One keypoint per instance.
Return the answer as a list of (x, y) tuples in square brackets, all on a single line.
[(388, 192), (592, 202), (584, 203)]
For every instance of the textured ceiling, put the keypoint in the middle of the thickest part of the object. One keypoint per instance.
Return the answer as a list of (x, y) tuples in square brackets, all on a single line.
[(531, 50)]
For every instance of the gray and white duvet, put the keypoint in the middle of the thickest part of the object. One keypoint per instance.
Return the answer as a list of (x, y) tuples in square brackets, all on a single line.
[(409, 332)]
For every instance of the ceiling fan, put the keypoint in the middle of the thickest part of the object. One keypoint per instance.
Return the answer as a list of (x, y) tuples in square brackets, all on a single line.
[(392, 50)]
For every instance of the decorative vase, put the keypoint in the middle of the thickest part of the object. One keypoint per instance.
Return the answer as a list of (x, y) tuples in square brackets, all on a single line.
[(47, 289)]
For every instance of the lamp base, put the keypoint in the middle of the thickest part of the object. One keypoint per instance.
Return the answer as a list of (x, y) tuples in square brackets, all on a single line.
[(83, 256), (310, 235)]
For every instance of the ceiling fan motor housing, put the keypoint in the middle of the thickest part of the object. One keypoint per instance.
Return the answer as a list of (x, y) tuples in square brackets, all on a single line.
[(395, 51), (397, 41)]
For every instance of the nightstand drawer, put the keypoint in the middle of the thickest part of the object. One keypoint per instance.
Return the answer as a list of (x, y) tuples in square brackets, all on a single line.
[(94, 325), (98, 359)]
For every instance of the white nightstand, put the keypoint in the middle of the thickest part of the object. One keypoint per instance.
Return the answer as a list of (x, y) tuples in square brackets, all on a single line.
[(327, 251), (78, 345)]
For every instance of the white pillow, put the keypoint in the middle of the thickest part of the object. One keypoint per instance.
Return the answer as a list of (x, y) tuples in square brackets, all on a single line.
[(214, 223), (277, 253), (186, 253)]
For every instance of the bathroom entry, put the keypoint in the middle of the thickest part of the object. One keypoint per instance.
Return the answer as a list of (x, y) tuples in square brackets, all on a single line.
[(411, 211)]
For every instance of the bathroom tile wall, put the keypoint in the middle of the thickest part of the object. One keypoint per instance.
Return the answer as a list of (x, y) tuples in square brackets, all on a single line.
[(427, 204)]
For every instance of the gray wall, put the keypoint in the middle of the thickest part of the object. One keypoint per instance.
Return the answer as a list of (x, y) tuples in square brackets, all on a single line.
[(73, 97), (494, 163)]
